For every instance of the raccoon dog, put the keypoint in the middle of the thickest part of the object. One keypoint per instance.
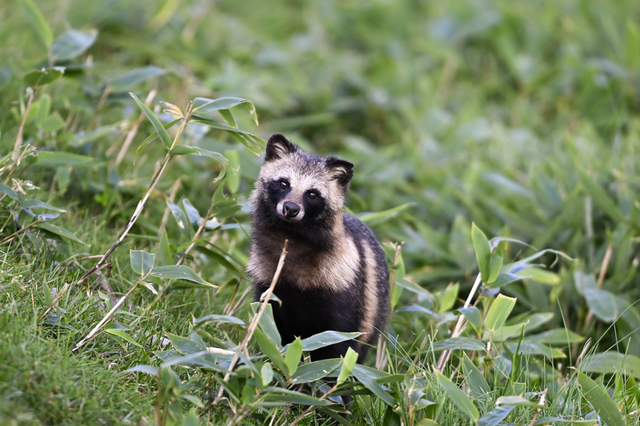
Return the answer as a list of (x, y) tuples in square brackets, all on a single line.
[(335, 275)]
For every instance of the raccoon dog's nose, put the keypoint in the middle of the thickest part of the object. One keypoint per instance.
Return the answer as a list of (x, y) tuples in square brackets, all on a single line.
[(290, 210)]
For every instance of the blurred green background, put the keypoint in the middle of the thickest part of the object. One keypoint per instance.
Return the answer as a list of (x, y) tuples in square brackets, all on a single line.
[(522, 117)]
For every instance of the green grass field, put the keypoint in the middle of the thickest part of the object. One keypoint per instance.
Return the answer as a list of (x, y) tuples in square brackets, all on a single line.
[(497, 153)]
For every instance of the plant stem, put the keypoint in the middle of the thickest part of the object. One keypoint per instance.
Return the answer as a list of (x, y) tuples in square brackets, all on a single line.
[(255, 320), (460, 325)]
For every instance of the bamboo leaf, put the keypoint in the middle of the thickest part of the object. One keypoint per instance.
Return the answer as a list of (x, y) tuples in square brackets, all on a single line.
[(600, 400), (162, 132)]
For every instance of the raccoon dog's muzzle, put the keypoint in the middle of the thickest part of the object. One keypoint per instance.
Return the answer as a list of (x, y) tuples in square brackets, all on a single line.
[(289, 210)]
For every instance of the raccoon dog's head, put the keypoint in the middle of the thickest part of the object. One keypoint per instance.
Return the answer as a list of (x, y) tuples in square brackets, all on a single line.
[(298, 190)]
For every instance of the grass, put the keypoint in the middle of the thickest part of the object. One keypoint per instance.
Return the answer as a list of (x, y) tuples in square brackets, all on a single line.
[(520, 118)]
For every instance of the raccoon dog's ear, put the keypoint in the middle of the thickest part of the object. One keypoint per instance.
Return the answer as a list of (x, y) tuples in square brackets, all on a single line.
[(278, 147), (340, 170)]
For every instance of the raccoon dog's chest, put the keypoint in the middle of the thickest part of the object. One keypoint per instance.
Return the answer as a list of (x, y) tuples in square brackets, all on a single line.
[(335, 275)]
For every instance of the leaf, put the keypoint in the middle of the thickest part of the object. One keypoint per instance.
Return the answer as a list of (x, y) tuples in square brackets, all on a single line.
[(4, 189), (611, 362), (495, 264), (415, 288), (505, 278), (204, 105), (350, 359), (326, 338), (220, 319), (292, 357), (600, 400), (36, 79), (181, 219), (123, 335), (72, 43), (58, 158), (557, 336), (37, 204), (181, 272), (268, 324), (601, 198), (191, 418), (195, 150), (602, 303), (494, 417), (271, 351), (499, 312), (266, 374), (315, 370), (134, 77), (374, 218), (162, 132), (474, 377), (482, 249), (517, 401), (455, 343), (252, 142), (38, 22), (59, 231), (153, 136), (292, 397), (473, 315), (141, 261), (365, 377), (458, 397), (533, 348), (141, 368)]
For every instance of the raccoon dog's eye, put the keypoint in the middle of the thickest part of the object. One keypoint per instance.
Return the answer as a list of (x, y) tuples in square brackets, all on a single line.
[(284, 184), (313, 195)]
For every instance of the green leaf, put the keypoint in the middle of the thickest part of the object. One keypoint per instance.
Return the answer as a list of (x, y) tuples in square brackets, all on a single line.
[(58, 158), (59, 231), (375, 218), (326, 338), (266, 374), (195, 150), (368, 379), (600, 197), (162, 132), (458, 397), (35, 204), (316, 370), (611, 362), (271, 351), (141, 368), (4, 189), (473, 315), (36, 79), (181, 272), (533, 348), (517, 401), (349, 361), (181, 219), (448, 297), (191, 418), (268, 324), (292, 357), (474, 377), (482, 249), (72, 43), (123, 335), (495, 264), (141, 261), (415, 288), (134, 77), (455, 343), (204, 105), (153, 136), (504, 332), (494, 417), (252, 142), (287, 396), (38, 22), (600, 400), (557, 336), (602, 303), (505, 278), (165, 254), (219, 319), (499, 312)]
